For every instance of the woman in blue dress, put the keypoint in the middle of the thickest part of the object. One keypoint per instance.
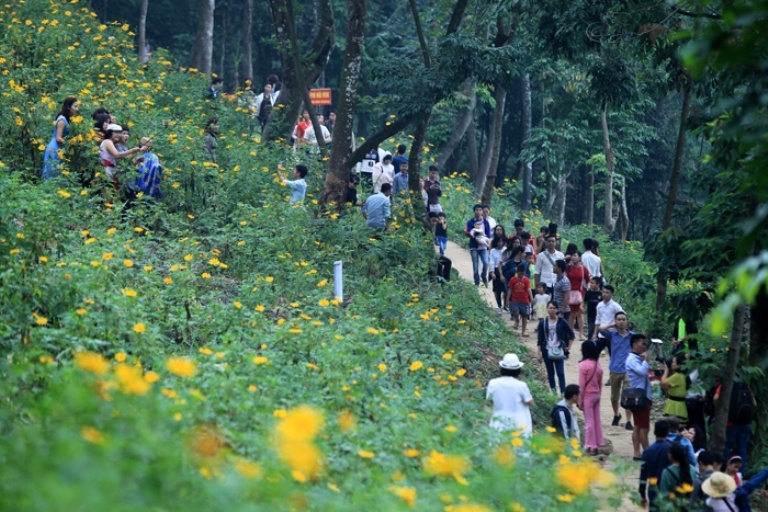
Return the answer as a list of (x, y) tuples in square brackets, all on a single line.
[(51, 160)]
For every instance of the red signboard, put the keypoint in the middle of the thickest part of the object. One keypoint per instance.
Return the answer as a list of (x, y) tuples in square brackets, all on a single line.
[(320, 97)]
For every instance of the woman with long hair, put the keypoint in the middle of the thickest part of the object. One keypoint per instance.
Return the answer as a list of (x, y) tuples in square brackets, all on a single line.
[(108, 153), (578, 276), (676, 477), (590, 383), (497, 248), (555, 338), (51, 160), (675, 384)]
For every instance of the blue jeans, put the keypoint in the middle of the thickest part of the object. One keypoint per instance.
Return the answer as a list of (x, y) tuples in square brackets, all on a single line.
[(736, 438), (552, 368), (477, 258), (442, 241)]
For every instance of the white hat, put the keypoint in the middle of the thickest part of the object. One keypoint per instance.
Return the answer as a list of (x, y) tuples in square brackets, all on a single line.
[(511, 362), (114, 128), (719, 485)]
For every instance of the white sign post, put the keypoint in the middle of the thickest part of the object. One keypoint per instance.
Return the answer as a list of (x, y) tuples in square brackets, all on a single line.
[(338, 280)]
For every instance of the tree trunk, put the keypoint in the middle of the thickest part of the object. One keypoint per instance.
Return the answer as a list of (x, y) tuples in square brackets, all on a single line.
[(527, 123), (717, 442), (562, 191), (591, 198), (286, 110), (661, 276), (464, 118), (338, 174), (143, 31), (474, 162), (204, 40), (623, 214), (246, 61), (490, 177), (608, 222), (223, 49), (414, 166)]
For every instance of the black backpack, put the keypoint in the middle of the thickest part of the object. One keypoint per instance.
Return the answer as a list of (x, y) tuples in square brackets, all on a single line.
[(741, 408), (556, 423)]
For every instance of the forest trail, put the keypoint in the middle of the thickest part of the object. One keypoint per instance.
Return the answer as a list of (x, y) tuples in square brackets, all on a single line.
[(619, 437)]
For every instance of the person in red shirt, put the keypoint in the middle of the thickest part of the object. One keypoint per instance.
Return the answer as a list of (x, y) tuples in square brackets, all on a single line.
[(520, 297), (578, 275), (301, 126)]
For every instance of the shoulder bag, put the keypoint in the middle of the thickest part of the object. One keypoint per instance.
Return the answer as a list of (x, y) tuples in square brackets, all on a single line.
[(634, 399), (554, 353)]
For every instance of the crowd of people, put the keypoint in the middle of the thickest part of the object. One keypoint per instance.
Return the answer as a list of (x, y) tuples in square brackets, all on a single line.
[(568, 288)]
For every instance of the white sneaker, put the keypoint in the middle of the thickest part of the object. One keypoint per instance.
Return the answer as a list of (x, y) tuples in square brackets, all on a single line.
[(498, 310)]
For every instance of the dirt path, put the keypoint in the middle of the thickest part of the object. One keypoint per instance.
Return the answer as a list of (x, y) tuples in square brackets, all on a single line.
[(618, 436)]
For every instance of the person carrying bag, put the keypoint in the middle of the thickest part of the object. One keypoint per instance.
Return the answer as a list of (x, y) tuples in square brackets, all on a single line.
[(555, 337)]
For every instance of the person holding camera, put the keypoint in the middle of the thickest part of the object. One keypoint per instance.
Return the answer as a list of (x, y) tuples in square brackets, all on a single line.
[(674, 384), (433, 190)]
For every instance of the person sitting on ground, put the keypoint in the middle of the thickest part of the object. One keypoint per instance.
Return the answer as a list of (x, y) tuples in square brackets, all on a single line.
[(376, 209), (520, 298), (299, 184), (591, 385), (350, 195), (679, 474), (655, 459), (555, 337), (214, 90), (726, 496), (383, 172), (109, 154), (211, 132), (149, 171), (563, 418), (512, 400)]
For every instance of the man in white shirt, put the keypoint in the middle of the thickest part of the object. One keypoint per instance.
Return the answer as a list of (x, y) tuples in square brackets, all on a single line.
[(309, 134), (545, 264), (606, 312), (591, 260)]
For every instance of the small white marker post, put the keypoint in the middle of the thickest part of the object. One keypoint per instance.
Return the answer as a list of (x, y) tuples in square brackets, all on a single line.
[(338, 283)]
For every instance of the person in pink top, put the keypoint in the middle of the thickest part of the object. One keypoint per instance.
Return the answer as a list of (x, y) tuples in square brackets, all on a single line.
[(591, 384), (578, 276)]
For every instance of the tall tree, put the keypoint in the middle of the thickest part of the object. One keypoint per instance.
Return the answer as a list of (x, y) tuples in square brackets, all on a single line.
[(143, 31), (246, 62), (527, 124), (465, 117), (203, 55)]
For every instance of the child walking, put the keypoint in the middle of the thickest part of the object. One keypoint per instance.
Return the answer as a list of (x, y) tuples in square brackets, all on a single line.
[(540, 302), (495, 276), (520, 298)]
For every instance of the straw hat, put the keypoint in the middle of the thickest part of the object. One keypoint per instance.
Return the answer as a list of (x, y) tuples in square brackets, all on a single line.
[(719, 485), (511, 362)]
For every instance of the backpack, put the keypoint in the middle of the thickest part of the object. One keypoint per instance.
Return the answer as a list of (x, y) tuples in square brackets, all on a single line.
[(556, 424), (741, 407)]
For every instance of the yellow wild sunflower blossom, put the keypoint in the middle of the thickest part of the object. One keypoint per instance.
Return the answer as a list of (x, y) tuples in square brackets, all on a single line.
[(294, 442), (439, 464), (577, 476), (407, 494), (181, 366), (131, 380), (92, 362)]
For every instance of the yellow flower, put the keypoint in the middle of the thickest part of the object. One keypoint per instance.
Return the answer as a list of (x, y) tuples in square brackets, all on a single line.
[(92, 362), (248, 469), (260, 360), (151, 377), (517, 442), (505, 457), (168, 280), (411, 453), (416, 365), (447, 356), (470, 507), (653, 480), (131, 380), (269, 279), (128, 263), (407, 494), (300, 425), (181, 366), (371, 330), (324, 303), (382, 367), (303, 458), (140, 328), (322, 283), (41, 320), (128, 292), (566, 498), (108, 256), (366, 454), (188, 257), (346, 421), (237, 304), (92, 435), (120, 357), (451, 428), (440, 464), (684, 488)]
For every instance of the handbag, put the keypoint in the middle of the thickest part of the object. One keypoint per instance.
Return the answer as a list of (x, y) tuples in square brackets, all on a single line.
[(574, 298), (634, 399), (555, 353)]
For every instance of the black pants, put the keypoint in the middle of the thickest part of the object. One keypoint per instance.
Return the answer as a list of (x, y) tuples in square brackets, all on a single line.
[(444, 268)]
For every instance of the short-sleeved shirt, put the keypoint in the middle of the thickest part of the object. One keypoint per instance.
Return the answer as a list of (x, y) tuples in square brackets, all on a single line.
[(510, 410), (606, 313), (675, 405), (560, 293), (545, 266), (520, 289), (592, 262), (620, 350)]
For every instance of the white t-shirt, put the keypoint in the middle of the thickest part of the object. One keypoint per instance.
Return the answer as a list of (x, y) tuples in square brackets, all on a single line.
[(718, 504), (510, 409), (592, 262), (309, 134), (540, 305), (491, 223), (494, 258), (546, 268), (606, 313)]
